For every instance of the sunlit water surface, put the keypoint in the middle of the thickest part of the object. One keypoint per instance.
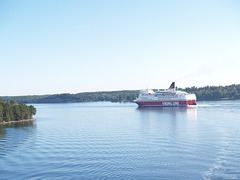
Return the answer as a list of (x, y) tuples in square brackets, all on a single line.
[(121, 141)]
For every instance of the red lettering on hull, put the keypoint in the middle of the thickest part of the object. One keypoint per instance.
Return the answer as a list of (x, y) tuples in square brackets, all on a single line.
[(166, 103)]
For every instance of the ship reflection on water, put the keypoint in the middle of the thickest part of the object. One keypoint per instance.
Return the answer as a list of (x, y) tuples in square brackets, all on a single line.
[(170, 119), (190, 111)]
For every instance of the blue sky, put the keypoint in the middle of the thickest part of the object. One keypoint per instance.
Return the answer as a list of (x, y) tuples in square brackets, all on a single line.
[(49, 47)]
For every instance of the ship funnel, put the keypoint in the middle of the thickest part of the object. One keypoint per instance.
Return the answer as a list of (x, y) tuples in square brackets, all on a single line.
[(172, 86)]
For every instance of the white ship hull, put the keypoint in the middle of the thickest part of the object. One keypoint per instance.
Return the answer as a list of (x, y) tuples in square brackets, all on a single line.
[(166, 103)]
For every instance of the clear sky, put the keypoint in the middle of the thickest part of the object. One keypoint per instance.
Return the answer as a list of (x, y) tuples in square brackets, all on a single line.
[(70, 46)]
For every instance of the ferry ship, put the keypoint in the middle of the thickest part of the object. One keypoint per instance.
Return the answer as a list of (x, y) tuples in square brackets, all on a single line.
[(169, 97)]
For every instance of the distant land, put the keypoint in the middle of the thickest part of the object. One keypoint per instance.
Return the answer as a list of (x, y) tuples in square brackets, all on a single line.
[(202, 93)]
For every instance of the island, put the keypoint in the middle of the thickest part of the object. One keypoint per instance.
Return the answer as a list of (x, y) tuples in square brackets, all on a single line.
[(15, 112)]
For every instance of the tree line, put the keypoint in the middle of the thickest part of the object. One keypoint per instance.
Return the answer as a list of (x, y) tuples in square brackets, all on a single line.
[(202, 93), (113, 96), (215, 92), (15, 112)]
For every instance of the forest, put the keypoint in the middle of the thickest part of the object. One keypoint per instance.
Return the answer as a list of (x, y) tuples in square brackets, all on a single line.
[(15, 112), (215, 92), (113, 96), (202, 93)]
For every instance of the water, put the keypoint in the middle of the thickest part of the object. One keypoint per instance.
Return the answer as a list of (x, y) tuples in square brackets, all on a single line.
[(120, 141)]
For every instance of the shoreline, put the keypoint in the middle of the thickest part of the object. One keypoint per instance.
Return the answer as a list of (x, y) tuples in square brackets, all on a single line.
[(20, 121), (223, 99)]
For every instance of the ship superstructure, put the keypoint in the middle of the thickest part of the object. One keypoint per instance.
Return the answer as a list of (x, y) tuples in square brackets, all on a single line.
[(169, 97)]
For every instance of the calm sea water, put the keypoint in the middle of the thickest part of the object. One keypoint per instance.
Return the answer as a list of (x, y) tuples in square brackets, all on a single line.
[(121, 141)]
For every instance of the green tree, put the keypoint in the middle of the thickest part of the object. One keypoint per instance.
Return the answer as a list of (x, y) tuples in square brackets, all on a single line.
[(6, 113), (11, 114), (17, 113), (1, 113), (33, 111), (13, 102)]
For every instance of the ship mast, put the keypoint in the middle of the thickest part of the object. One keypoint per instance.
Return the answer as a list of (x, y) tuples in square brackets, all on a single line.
[(172, 86)]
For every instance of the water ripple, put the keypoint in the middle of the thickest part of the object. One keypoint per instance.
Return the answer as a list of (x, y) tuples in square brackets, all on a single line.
[(121, 141)]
